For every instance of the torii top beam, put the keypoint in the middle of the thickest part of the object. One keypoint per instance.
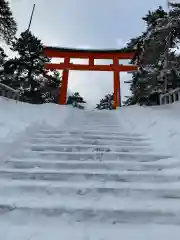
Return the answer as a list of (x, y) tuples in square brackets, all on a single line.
[(59, 52)]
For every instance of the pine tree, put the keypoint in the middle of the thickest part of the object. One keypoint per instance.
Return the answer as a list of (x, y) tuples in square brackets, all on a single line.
[(28, 68), (3, 57), (106, 103), (8, 26), (76, 100), (159, 65), (50, 90), (149, 48)]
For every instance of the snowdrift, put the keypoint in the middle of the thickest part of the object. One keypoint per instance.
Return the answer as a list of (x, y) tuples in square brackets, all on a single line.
[(18, 120), (161, 123)]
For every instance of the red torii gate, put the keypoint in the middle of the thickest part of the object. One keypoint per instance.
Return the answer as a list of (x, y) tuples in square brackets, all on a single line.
[(68, 53)]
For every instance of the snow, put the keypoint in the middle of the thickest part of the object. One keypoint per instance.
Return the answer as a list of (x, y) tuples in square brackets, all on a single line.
[(89, 232), (17, 116), (141, 183), (18, 120), (160, 123), (77, 203)]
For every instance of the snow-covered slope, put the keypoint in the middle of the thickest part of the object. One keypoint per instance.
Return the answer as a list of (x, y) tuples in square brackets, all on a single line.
[(18, 120), (73, 174), (161, 123)]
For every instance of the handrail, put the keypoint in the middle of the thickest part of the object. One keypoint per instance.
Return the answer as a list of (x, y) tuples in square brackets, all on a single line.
[(170, 97), (11, 93), (8, 88)]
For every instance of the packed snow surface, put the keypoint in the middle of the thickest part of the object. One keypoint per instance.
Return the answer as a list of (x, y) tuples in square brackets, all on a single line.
[(67, 173)]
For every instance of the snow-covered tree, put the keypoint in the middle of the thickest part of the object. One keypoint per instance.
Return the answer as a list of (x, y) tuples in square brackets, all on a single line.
[(27, 67), (76, 100), (8, 26), (26, 72), (106, 103), (50, 90), (159, 65), (3, 58)]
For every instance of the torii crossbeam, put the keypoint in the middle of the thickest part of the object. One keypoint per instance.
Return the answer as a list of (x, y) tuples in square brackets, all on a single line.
[(91, 55)]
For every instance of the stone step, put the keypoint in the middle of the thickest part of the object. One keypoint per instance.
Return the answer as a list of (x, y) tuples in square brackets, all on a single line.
[(92, 124), (91, 189), (107, 164), (33, 229), (82, 156), (93, 184), (84, 148), (104, 210), (79, 140), (87, 132), (90, 136), (86, 175)]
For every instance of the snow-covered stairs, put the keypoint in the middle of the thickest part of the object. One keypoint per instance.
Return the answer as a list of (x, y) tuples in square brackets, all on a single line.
[(89, 172)]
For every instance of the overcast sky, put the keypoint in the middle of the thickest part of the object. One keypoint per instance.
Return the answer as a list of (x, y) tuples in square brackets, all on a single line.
[(86, 24)]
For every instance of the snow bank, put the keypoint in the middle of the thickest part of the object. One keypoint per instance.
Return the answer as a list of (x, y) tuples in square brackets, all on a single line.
[(161, 123), (18, 120)]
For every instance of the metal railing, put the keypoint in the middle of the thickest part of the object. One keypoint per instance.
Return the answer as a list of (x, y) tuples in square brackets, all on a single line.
[(170, 97)]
